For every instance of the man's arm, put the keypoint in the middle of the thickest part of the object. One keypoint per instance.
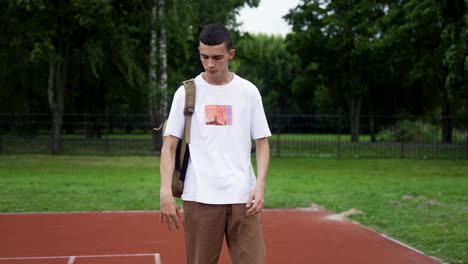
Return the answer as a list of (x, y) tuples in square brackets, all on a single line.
[(169, 211), (263, 162)]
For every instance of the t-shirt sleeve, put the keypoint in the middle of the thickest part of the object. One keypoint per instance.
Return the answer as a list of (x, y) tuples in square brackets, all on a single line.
[(176, 120), (259, 125)]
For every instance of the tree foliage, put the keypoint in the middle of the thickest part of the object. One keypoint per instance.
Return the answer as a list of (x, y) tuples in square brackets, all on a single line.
[(109, 47), (354, 56), (265, 61), (384, 56), (92, 56)]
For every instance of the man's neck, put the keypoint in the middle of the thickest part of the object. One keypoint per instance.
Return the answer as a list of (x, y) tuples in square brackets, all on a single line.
[(220, 79)]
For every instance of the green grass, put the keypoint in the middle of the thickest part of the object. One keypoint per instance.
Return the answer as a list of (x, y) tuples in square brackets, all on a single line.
[(459, 138), (435, 220), (376, 187), (77, 183), (290, 145)]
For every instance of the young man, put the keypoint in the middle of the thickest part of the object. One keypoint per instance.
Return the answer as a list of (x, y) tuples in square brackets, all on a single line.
[(221, 195)]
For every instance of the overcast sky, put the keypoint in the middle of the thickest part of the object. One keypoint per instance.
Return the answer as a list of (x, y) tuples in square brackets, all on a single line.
[(267, 17)]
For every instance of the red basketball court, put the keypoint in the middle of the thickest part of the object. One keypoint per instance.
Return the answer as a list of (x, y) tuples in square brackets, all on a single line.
[(291, 236)]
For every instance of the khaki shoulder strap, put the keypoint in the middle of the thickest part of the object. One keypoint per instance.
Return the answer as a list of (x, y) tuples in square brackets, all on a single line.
[(189, 108)]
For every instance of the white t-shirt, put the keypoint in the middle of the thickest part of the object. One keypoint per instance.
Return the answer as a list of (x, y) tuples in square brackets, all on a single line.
[(226, 119)]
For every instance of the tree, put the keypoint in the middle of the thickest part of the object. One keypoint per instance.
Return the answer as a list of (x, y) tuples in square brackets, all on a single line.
[(265, 61), (433, 36), (157, 76), (18, 88), (333, 40), (52, 44), (93, 56), (388, 55), (174, 33), (184, 21), (54, 31)]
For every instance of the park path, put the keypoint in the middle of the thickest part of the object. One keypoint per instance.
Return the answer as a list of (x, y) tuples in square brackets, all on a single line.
[(291, 236)]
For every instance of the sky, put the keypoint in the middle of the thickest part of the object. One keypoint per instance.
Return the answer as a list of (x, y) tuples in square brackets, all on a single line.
[(267, 17)]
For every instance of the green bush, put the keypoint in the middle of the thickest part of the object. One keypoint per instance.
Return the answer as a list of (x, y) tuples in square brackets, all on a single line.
[(410, 131)]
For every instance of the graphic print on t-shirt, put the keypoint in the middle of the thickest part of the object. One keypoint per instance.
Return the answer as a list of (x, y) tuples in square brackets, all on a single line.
[(218, 115)]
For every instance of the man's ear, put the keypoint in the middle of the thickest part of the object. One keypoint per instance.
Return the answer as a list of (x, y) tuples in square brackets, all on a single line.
[(232, 53)]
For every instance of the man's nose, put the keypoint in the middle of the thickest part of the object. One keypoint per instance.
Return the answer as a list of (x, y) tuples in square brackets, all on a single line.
[(210, 64)]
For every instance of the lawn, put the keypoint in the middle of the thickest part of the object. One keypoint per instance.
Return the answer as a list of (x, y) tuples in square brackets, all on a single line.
[(285, 145), (423, 203)]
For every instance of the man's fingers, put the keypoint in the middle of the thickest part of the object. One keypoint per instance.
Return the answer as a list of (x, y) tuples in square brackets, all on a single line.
[(251, 208), (170, 213), (249, 201), (170, 222), (175, 221), (171, 219), (171, 225), (256, 208)]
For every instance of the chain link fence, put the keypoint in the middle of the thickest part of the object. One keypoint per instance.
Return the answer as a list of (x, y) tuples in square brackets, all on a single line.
[(377, 136)]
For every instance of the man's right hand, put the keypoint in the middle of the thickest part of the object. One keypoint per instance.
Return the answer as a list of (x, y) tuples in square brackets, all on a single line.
[(170, 213)]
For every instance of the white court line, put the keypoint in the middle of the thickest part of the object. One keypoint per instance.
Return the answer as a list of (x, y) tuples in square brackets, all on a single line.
[(81, 212), (84, 256), (157, 259), (71, 260)]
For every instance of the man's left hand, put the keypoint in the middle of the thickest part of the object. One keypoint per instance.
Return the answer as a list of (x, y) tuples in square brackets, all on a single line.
[(256, 200)]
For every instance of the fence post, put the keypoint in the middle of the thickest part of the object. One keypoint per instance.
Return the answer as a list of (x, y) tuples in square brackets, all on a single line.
[(400, 135), (278, 133), (107, 146), (100, 129), (338, 156), (466, 135), (372, 129)]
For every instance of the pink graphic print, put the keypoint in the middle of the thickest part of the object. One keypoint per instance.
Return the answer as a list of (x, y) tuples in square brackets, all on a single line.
[(218, 115)]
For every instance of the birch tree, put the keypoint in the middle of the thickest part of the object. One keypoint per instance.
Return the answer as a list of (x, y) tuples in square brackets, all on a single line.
[(179, 23), (157, 93)]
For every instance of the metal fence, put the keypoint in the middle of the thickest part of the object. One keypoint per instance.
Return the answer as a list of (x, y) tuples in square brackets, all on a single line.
[(380, 136)]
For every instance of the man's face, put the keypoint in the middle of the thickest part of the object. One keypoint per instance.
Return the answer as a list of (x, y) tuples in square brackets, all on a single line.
[(215, 59)]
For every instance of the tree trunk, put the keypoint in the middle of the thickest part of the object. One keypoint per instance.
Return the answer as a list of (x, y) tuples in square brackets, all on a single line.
[(152, 77), (447, 125), (372, 129), (162, 62), (56, 118), (157, 76), (58, 73), (355, 117)]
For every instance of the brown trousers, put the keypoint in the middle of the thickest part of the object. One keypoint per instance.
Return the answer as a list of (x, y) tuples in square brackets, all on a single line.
[(205, 226)]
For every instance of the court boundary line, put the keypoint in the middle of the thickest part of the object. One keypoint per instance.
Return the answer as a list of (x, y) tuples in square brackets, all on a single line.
[(157, 259), (394, 240), (72, 258), (131, 211), (80, 212)]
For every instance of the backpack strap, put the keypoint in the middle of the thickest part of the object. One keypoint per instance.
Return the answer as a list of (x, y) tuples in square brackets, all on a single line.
[(189, 108)]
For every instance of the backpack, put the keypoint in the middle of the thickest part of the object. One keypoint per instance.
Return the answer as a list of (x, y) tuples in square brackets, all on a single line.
[(182, 151)]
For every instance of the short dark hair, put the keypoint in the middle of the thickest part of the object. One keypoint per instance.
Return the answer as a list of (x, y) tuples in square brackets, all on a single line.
[(215, 34)]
